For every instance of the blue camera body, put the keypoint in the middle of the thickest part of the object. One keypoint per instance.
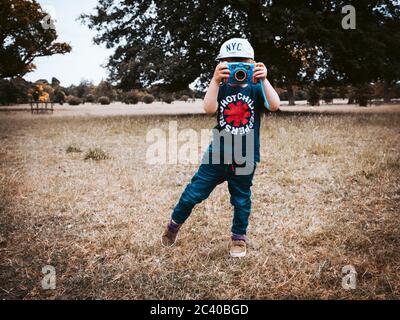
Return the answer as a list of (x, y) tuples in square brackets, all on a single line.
[(241, 73)]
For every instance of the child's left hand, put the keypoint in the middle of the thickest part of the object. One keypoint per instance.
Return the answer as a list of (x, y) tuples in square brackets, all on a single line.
[(260, 71)]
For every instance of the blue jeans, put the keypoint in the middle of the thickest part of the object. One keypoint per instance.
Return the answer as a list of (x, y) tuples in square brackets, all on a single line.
[(205, 180)]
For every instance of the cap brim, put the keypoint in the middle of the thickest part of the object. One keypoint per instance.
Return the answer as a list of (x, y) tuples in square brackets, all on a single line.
[(220, 58)]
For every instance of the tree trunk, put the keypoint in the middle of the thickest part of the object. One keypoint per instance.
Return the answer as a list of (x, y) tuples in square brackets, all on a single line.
[(351, 100), (290, 92), (386, 91)]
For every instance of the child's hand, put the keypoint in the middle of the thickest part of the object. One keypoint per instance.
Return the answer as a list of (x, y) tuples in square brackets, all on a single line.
[(221, 71), (260, 71)]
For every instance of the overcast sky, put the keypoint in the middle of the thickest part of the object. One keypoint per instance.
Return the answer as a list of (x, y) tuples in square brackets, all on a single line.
[(85, 59)]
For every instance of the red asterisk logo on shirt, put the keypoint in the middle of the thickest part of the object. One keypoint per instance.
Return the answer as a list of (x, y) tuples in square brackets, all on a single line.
[(237, 113)]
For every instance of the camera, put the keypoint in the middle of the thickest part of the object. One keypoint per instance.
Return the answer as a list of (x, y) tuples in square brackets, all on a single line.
[(241, 73)]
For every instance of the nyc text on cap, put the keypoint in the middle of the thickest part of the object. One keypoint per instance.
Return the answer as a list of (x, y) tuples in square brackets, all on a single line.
[(236, 48)]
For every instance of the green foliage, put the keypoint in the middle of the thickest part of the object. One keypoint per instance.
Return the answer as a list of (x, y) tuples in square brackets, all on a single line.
[(73, 147), (132, 97), (148, 98), (14, 91), (84, 88), (313, 95), (342, 91), (55, 83), (104, 100), (156, 90), (300, 95), (363, 94), (96, 154), (284, 96), (199, 94), (328, 95), (396, 90), (176, 43), (23, 37), (90, 98), (167, 98), (74, 101), (301, 41), (105, 89), (59, 96)]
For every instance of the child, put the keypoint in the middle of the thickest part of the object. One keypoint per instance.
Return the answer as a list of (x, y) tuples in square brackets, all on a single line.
[(238, 116)]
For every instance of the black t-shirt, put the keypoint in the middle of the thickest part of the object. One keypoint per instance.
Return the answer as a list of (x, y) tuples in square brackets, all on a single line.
[(239, 111)]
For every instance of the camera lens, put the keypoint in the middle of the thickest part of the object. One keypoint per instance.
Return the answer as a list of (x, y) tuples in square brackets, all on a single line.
[(240, 75)]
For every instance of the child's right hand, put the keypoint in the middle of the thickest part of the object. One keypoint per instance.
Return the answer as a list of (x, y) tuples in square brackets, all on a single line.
[(221, 72)]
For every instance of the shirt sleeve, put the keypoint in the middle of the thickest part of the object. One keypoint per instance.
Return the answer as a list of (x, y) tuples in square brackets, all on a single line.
[(261, 96)]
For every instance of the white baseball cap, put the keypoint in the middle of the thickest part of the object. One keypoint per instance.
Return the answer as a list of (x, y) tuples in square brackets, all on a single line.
[(236, 48)]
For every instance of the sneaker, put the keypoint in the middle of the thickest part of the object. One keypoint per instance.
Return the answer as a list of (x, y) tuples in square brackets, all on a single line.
[(170, 234), (238, 248)]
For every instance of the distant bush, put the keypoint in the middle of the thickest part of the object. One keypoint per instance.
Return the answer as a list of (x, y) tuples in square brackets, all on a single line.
[(363, 94), (199, 94), (185, 98), (59, 96), (90, 98), (155, 91), (148, 98), (105, 89), (74, 101), (313, 95), (14, 91), (328, 95), (168, 98), (104, 100), (284, 96), (132, 97), (96, 154), (394, 91), (300, 95)]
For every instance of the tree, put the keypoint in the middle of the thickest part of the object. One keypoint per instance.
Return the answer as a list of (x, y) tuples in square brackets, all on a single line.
[(84, 88), (301, 42), (173, 42), (105, 89), (58, 96), (328, 94), (311, 46), (391, 37), (14, 91), (284, 38), (313, 94), (183, 37), (55, 83), (23, 37), (368, 53)]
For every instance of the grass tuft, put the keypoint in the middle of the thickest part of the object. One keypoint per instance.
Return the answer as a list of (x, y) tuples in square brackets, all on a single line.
[(96, 154), (73, 147)]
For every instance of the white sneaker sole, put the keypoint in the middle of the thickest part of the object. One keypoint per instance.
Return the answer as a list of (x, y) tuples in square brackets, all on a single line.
[(237, 254)]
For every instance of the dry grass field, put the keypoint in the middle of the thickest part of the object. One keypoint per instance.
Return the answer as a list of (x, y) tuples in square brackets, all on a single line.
[(325, 195)]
